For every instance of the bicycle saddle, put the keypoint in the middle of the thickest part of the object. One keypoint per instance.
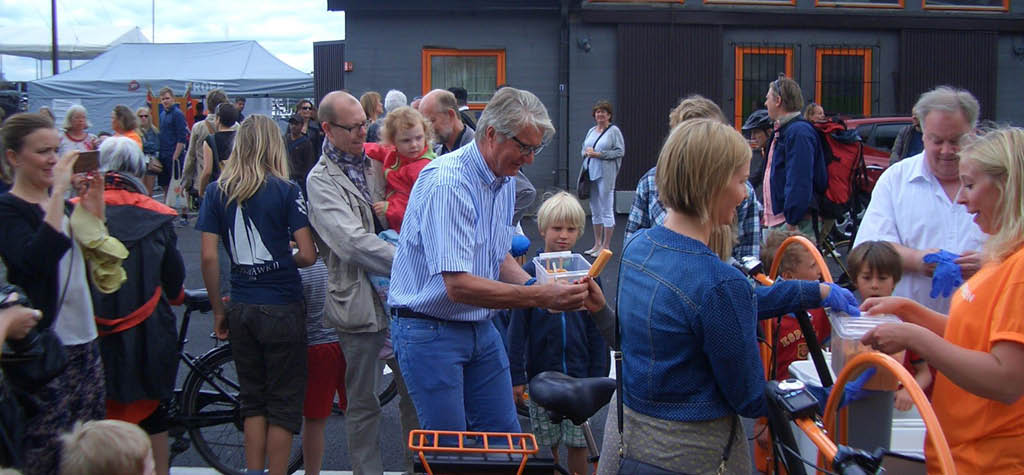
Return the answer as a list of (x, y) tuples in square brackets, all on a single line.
[(197, 300), (574, 398)]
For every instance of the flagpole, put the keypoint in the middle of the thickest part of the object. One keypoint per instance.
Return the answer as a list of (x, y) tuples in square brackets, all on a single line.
[(53, 31)]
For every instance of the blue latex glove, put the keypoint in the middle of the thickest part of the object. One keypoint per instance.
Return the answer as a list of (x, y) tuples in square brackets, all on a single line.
[(842, 300), (520, 244), (853, 390), (947, 276)]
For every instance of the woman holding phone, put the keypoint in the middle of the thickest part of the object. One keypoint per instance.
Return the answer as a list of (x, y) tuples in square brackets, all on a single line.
[(42, 258)]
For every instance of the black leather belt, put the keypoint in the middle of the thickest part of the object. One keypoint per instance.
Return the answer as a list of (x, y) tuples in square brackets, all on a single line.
[(404, 312)]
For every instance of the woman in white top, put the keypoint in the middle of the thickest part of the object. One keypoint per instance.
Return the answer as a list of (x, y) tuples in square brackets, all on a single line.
[(43, 259), (75, 136), (603, 148)]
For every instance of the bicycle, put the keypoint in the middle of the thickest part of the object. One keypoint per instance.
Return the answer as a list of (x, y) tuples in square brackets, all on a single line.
[(790, 400), (205, 411), (562, 396)]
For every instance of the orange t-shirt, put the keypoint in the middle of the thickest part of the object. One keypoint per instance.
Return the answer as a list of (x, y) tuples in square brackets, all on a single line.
[(132, 135), (985, 436)]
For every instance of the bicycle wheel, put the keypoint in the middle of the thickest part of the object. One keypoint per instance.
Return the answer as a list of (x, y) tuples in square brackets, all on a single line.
[(386, 390), (835, 258), (212, 413)]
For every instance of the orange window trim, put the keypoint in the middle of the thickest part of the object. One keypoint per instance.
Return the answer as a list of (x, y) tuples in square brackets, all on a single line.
[(1004, 8), (844, 4), (738, 85), (863, 52), (638, 1), (767, 3), (428, 53)]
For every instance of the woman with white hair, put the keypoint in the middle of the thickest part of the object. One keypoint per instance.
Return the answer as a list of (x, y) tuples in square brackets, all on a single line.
[(395, 99), (136, 323), (75, 136)]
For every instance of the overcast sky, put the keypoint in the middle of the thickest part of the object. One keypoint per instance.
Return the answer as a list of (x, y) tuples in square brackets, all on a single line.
[(285, 28)]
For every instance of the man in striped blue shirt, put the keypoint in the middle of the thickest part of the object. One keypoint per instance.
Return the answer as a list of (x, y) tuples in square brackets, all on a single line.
[(452, 265)]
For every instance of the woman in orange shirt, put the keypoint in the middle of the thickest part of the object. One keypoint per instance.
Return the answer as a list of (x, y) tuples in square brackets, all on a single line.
[(978, 349), (124, 122)]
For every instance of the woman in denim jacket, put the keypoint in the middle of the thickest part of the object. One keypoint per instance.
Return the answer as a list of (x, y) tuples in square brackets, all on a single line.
[(690, 361)]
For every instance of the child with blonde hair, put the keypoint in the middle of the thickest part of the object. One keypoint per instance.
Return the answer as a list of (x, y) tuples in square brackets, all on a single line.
[(406, 148), (568, 342), (255, 211), (106, 447)]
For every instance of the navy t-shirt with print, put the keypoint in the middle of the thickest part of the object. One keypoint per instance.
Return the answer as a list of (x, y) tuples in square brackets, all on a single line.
[(256, 238)]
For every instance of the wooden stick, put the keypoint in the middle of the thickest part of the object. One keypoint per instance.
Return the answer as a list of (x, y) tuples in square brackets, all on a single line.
[(599, 263)]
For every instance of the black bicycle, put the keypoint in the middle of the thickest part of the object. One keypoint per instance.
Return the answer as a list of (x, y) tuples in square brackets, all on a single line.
[(205, 412)]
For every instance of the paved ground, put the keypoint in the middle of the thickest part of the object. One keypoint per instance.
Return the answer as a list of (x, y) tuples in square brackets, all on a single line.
[(336, 457)]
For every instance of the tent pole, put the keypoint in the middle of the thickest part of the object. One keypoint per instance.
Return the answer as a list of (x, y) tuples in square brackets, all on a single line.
[(53, 31)]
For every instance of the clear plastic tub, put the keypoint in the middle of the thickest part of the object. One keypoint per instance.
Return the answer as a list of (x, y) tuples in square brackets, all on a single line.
[(562, 266), (846, 334)]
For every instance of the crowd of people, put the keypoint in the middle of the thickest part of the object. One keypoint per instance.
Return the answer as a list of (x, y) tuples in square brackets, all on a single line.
[(374, 233)]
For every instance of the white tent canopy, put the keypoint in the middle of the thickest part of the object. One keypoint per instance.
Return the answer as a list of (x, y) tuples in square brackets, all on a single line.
[(121, 75), (73, 43)]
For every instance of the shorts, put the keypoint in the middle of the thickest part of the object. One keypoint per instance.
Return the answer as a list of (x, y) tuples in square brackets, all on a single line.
[(268, 343), (326, 378), (550, 434)]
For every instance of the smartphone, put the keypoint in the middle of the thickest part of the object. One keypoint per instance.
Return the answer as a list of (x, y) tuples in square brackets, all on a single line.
[(87, 162)]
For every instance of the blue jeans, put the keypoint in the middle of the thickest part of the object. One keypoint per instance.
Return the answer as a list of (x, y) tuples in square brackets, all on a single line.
[(457, 374)]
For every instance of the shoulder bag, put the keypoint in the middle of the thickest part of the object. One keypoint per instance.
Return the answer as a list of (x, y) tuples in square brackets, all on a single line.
[(583, 182)]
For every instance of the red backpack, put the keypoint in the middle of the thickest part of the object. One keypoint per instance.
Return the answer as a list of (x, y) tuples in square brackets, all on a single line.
[(844, 162)]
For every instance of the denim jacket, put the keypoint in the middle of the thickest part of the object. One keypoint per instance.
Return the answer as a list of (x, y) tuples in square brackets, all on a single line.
[(688, 331)]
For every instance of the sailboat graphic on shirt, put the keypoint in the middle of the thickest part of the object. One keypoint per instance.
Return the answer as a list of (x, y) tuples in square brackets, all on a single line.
[(246, 243)]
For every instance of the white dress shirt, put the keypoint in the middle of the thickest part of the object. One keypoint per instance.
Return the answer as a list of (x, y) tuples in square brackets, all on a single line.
[(910, 208)]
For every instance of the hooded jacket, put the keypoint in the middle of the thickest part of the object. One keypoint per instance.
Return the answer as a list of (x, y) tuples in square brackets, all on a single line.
[(568, 342), (136, 324)]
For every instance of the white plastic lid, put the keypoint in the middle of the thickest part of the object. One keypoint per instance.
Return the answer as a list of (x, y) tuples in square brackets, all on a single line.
[(853, 328)]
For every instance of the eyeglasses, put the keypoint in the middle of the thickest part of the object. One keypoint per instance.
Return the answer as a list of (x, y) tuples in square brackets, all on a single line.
[(362, 125), (527, 149), (306, 108)]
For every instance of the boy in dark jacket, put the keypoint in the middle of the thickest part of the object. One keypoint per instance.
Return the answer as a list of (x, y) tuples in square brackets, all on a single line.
[(568, 342)]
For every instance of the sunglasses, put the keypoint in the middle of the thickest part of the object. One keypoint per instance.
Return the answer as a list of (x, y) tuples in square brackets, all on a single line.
[(307, 108), (143, 115)]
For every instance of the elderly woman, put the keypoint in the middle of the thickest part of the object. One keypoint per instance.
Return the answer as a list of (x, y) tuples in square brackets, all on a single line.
[(978, 349), (690, 362), (136, 323), (603, 148), (43, 259), (75, 136), (124, 123)]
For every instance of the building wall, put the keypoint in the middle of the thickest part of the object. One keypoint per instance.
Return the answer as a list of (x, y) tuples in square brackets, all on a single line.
[(1010, 80), (385, 51)]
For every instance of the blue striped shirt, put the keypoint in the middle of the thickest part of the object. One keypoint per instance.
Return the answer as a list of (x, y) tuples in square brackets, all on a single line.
[(459, 219)]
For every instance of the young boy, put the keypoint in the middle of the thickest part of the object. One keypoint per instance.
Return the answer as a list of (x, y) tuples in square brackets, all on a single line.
[(795, 264), (107, 447), (568, 342), (876, 268), (325, 366)]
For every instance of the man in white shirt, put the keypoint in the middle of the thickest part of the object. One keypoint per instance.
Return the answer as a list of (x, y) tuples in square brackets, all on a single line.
[(913, 205)]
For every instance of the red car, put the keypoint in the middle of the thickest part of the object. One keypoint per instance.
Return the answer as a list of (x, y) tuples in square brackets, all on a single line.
[(878, 134)]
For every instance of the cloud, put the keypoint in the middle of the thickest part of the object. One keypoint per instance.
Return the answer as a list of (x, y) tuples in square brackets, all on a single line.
[(286, 29)]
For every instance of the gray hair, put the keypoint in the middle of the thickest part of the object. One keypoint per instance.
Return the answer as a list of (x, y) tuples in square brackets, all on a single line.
[(948, 99), (394, 99), (72, 111), (511, 110), (122, 154)]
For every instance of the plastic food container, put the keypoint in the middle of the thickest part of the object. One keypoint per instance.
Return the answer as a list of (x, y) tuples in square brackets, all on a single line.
[(562, 266), (846, 334)]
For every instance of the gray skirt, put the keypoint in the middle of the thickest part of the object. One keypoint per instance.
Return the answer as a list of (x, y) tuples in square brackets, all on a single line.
[(688, 447)]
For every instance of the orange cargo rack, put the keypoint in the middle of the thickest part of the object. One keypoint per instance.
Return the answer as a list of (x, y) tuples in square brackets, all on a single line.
[(424, 441)]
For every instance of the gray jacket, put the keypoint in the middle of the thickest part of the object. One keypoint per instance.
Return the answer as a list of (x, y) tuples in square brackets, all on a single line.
[(611, 147), (342, 223)]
